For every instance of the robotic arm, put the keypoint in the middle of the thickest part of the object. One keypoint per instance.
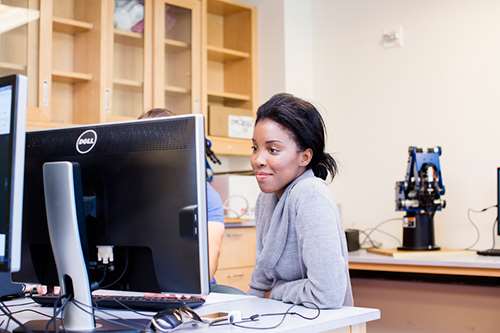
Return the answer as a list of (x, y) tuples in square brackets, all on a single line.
[(419, 196)]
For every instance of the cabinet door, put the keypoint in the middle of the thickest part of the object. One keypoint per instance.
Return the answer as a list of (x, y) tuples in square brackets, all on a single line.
[(128, 86), (19, 51), (69, 62), (177, 56)]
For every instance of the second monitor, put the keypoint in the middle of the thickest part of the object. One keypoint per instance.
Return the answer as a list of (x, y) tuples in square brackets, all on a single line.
[(143, 192)]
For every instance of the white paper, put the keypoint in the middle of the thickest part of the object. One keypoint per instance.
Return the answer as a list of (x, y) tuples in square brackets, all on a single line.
[(240, 127)]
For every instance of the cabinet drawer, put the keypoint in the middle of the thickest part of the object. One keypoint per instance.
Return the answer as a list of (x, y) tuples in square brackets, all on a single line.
[(236, 277), (238, 248)]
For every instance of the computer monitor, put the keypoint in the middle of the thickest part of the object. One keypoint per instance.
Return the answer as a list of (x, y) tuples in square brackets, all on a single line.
[(143, 191), (13, 97), (13, 100)]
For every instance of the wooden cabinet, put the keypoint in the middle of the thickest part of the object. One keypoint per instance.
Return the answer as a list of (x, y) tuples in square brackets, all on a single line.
[(177, 57), (230, 64), (19, 49), (128, 86), (190, 54), (237, 258)]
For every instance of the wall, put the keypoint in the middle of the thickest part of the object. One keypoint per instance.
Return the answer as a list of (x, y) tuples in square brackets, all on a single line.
[(441, 88)]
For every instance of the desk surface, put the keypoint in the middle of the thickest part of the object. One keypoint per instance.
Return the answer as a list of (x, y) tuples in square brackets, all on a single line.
[(249, 305), (460, 264)]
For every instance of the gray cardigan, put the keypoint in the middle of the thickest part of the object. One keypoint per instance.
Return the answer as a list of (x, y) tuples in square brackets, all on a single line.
[(301, 247)]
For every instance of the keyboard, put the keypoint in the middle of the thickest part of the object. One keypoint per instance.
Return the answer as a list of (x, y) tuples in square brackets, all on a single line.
[(489, 252), (137, 303)]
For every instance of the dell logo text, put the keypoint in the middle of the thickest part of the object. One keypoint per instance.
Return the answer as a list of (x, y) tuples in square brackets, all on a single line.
[(86, 141)]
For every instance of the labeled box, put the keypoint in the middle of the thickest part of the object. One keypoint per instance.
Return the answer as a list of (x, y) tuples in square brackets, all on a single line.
[(230, 122)]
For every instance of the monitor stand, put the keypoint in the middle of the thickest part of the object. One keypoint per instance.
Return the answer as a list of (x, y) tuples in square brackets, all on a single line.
[(60, 185)]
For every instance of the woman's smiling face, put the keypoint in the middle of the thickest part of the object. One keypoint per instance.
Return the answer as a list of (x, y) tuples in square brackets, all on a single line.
[(276, 158)]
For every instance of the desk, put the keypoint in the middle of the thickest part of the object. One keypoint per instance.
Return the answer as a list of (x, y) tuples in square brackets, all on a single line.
[(468, 265), (428, 294), (345, 320)]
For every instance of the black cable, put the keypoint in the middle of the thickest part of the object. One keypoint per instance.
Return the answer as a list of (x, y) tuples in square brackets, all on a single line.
[(255, 317), (97, 285), (112, 321), (29, 310), (21, 304), (494, 232), (478, 235), (125, 306), (10, 316), (372, 242), (378, 226), (121, 275), (56, 310), (9, 312)]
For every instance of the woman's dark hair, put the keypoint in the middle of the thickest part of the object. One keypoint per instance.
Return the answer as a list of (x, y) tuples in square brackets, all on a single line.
[(156, 113), (307, 126)]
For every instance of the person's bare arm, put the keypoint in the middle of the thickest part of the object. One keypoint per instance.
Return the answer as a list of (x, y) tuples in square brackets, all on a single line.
[(215, 236)]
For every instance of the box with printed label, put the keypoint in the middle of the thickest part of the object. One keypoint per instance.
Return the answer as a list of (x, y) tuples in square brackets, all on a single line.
[(230, 122)]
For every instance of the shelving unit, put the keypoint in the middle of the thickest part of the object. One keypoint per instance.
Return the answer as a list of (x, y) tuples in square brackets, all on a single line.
[(230, 65), (191, 54), (130, 58), (70, 26), (14, 56), (177, 57), (221, 54), (69, 66), (11, 67)]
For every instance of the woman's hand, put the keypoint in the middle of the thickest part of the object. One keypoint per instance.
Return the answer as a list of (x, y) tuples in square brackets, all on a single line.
[(267, 294)]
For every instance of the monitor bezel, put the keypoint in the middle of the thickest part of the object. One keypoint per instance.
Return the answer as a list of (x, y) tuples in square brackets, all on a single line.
[(19, 86)]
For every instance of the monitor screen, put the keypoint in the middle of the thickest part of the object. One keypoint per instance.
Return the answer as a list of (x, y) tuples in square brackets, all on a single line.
[(5, 168), (12, 117), (143, 192)]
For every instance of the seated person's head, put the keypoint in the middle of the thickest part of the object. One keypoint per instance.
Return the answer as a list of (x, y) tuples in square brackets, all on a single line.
[(156, 113)]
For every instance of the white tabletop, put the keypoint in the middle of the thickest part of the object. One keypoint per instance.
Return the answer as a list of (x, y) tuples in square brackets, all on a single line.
[(471, 260), (247, 305)]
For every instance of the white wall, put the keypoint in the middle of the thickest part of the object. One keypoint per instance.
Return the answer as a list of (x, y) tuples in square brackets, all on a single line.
[(441, 88)]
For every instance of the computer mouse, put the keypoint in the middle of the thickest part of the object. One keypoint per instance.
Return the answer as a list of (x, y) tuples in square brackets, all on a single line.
[(168, 319)]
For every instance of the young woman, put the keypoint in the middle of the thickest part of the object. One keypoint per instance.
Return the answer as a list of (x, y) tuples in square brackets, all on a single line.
[(301, 247)]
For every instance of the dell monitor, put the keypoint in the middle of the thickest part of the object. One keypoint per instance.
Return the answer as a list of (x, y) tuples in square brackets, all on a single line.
[(13, 97), (139, 192)]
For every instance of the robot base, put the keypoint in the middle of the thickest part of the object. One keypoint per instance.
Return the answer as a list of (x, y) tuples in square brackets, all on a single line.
[(418, 233)]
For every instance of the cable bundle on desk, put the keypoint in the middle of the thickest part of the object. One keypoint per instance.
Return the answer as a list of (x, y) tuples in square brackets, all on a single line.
[(255, 317)]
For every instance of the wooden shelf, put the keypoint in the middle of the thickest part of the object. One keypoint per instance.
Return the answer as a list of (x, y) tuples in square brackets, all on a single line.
[(225, 7), (70, 26), (118, 118), (230, 96), (176, 89), (42, 125), (216, 53), (131, 84), (11, 66), (173, 45), (128, 38), (70, 77), (229, 146)]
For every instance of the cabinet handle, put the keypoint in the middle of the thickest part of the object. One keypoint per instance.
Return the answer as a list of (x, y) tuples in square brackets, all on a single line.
[(235, 275), (45, 93), (107, 100)]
